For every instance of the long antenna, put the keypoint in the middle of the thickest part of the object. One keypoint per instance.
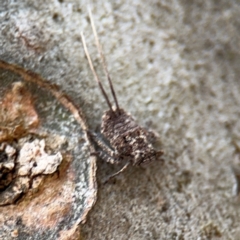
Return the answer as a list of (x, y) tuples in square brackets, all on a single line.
[(94, 73), (99, 47)]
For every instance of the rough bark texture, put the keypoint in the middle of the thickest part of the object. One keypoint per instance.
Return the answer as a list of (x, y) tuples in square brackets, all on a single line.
[(175, 67)]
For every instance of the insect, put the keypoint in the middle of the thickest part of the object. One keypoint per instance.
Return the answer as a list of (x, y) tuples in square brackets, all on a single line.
[(128, 141)]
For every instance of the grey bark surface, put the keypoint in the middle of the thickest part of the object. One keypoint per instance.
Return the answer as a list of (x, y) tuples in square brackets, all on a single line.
[(175, 68)]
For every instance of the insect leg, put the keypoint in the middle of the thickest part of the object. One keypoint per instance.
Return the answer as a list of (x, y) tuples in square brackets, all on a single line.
[(106, 152), (107, 158), (120, 171)]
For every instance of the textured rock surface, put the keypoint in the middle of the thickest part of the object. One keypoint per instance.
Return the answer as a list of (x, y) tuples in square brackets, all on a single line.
[(175, 67)]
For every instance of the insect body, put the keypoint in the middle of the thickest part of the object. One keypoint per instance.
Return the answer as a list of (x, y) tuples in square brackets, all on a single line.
[(127, 138), (128, 141)]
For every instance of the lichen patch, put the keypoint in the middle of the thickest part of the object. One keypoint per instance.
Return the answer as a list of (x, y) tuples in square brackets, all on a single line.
[(23, 169)]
